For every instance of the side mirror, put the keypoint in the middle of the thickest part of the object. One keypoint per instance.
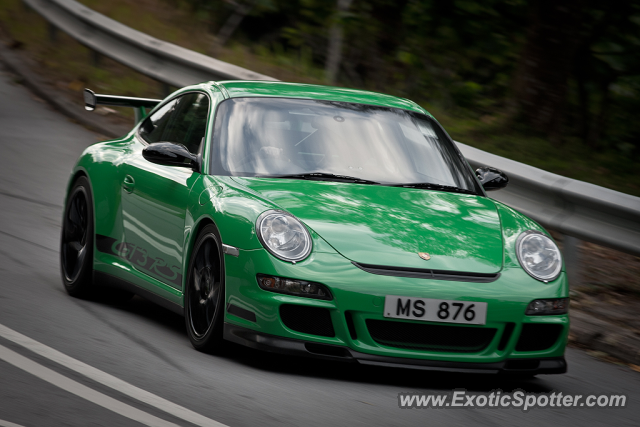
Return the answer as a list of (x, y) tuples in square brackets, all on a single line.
[(492, 178), (171, 154)]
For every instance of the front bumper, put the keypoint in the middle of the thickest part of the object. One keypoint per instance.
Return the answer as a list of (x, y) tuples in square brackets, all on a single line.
[(272, 343), (254, 318)]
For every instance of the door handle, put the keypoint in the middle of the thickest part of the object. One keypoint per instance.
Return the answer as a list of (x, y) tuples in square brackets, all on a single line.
[(128, 184)]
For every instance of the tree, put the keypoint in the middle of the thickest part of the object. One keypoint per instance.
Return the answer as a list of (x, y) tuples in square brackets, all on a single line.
[(334, 54), (544, 67)]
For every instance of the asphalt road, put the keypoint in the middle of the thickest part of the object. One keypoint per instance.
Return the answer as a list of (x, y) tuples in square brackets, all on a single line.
[(71, 362)]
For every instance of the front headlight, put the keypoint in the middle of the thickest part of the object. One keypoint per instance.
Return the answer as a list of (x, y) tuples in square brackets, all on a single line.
[(283, 235), (539, 256)]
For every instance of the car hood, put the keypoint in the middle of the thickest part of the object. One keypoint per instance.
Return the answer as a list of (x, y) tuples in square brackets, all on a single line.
[(388, 226)]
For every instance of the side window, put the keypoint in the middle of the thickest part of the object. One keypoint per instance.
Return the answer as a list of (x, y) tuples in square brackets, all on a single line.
[(154, 126), (182, 120)]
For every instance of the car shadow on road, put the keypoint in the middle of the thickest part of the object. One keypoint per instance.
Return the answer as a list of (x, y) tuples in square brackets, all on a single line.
[(144, 308)]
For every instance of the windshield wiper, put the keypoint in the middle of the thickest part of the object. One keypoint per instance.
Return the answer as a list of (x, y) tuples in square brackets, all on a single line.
[(322, 176), (432, 186)]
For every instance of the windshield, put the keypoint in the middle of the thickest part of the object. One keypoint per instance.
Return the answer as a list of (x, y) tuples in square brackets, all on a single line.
[(276, 137)]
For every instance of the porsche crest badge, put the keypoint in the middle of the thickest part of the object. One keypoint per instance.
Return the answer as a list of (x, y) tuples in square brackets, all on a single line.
[(425, 256)]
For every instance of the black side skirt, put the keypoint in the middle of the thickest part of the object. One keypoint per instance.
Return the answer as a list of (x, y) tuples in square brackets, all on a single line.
[(108, 281)]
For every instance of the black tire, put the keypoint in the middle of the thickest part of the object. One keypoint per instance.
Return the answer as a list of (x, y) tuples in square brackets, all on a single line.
[(205, 291), (76, 240), (76, 248)]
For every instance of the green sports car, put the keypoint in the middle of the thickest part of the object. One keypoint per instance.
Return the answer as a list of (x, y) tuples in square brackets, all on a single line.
[(318, 221)]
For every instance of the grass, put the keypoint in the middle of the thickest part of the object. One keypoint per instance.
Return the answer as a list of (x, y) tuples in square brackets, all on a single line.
[(68, 64), (173, 22)]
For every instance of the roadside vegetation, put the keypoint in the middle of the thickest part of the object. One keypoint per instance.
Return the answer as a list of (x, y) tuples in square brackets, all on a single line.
[(465, 61)]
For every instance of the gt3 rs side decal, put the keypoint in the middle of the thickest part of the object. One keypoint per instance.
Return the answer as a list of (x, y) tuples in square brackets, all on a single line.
[(155, 267)]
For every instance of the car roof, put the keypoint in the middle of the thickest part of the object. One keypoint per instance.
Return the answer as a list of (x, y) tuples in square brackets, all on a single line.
[(245, 88)]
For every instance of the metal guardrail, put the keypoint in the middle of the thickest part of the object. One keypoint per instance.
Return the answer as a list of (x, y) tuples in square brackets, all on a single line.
[(572, 207), (162, 61)]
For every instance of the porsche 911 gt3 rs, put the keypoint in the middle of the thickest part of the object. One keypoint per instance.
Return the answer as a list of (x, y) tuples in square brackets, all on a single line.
[(317, 221)]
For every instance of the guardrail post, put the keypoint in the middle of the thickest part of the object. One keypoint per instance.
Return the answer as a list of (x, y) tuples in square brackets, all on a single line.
[(95, 58), (53, 32), (571, 252)]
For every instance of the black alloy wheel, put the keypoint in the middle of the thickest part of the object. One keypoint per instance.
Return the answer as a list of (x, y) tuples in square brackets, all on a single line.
[(204, 298), (76, 242)]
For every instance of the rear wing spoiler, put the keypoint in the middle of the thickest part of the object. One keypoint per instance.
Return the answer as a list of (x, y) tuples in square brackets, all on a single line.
[(92, 99)]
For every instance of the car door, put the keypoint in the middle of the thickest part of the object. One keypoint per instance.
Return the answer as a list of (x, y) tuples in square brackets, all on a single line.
[(155, 197)]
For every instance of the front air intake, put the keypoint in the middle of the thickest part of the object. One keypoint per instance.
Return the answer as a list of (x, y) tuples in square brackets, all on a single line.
[(308, 320), (538, 337), (429, 337)]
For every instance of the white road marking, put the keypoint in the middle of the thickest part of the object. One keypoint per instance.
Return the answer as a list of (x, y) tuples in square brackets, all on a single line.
[(78, 389), (108, 379), (8, 424)]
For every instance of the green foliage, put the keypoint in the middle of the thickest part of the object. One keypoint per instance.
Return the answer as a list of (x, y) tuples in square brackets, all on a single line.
[(464, 56)]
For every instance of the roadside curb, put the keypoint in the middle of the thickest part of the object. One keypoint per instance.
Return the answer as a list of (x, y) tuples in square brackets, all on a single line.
[(604, 336), (17, 65)]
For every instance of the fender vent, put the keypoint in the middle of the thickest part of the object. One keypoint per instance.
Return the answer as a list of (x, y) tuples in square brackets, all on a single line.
[(241, 312)]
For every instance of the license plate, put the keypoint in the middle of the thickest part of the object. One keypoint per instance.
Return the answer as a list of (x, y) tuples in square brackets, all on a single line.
[(435, 310)]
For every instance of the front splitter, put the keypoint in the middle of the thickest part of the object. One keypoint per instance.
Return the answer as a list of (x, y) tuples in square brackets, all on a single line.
[(275, 344)]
